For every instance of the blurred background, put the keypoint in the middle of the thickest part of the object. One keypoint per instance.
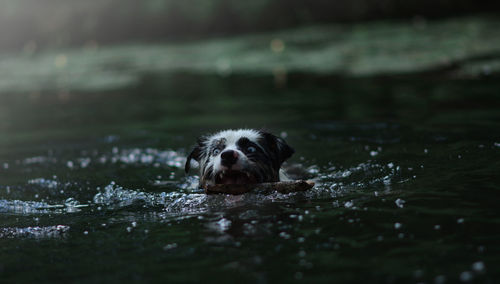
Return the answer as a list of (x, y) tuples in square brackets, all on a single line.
[(31, 25), (111, 44)]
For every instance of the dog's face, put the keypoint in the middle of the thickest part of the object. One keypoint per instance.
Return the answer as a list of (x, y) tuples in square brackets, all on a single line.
[(239, 157)]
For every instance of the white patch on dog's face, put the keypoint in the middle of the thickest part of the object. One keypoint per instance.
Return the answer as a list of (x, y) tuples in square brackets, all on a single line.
[(239, 157), (231, 137)]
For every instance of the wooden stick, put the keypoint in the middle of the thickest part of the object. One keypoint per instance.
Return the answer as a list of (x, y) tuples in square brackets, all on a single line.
[(268, 187)]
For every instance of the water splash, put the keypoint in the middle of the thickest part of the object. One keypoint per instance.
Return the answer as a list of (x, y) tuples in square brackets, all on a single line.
[(116, 196), (36, 207), (183, 195), (35, 232), (26, 207)]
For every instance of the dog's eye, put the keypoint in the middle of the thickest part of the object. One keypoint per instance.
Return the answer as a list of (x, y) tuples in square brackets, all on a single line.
[(216, 152), (251, 149)]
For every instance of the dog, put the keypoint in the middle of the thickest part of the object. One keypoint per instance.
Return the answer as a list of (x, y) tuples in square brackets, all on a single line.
[(242, 156)]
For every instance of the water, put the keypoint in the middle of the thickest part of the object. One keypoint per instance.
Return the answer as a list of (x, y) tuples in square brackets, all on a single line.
[(92, 185)]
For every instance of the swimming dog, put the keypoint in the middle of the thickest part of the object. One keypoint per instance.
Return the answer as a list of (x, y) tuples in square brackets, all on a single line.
[(242, 156)]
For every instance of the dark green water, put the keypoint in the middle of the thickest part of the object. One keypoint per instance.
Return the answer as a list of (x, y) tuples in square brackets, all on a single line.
[(92, 187)]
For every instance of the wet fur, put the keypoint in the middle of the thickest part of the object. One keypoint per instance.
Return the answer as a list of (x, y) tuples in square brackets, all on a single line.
[(264, 164)]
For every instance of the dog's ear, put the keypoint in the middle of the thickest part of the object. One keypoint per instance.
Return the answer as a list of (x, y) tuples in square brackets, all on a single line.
[(195, 154), (278, 147)]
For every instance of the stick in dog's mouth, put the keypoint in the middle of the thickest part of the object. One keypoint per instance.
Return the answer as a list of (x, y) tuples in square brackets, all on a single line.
[(268, 187), (234, 177)]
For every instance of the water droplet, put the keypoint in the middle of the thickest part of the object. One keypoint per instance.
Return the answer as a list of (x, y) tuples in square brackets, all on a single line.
[(284, 235), (223, 225), (348, 204), (397, 226), (170, 246), (400, 202), (466, 276), (478, 266), (440, 279), (298, 275)]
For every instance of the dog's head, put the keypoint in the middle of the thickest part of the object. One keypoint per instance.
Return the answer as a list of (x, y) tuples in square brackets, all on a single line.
[(239, 157)]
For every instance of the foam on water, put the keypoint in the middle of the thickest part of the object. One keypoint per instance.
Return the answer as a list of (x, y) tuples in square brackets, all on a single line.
[(35, 232)]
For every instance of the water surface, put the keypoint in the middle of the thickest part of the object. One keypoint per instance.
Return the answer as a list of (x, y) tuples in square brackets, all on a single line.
[(92, 186)]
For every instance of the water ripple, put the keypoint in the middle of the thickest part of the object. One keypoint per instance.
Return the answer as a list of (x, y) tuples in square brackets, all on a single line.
[(129, 156)]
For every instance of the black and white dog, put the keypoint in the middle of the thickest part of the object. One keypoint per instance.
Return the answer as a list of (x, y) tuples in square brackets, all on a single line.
[(239, 157)]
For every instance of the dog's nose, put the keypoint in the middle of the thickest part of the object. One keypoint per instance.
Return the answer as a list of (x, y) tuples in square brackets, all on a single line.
[(229, 158)]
